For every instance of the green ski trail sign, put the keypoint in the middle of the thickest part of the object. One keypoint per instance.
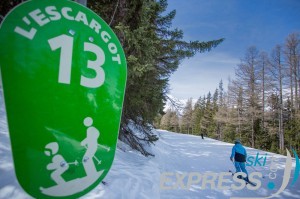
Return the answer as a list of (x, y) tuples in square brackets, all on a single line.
[(64, 74)]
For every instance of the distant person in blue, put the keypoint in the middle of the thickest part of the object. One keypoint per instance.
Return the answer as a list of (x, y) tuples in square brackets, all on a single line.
[(239, 156)]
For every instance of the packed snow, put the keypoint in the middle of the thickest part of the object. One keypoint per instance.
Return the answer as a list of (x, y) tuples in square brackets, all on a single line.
[(172, 173)]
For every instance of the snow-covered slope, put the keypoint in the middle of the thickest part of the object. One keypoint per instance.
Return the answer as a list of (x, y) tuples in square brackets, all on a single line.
[(177, 157)]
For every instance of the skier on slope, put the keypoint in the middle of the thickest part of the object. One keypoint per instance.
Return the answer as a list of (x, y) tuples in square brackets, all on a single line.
[(239, 156), (202, 136)]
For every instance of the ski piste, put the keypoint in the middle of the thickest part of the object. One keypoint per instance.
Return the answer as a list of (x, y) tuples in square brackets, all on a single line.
[(247, 181)]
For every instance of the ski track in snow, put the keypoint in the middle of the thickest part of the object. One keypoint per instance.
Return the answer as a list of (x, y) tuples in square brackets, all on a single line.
[(135, 176)]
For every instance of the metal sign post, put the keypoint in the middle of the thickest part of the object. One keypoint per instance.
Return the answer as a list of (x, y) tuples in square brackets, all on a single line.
[(83, 2)]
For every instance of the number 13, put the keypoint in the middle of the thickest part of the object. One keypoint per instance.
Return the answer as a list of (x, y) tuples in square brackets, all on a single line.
[(65, 42)]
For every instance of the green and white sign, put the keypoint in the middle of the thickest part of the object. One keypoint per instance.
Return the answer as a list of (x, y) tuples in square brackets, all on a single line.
[(64, 74)]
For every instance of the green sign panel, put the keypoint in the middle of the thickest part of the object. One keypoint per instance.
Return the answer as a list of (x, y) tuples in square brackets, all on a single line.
[(64, 74)]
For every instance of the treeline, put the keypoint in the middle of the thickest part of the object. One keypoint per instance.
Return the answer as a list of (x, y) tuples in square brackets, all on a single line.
[(261, 105)]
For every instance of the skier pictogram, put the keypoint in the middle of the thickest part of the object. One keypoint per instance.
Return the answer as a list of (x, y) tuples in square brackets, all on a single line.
[(90, 143), (59, 165)]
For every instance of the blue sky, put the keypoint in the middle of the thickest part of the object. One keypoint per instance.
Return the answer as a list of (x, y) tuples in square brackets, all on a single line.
[(243, 23)]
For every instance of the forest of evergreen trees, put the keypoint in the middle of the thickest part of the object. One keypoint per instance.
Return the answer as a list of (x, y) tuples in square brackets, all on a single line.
[(261, 105)]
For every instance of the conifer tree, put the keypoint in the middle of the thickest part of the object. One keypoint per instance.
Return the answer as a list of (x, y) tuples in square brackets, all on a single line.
[(248, 77), (154, 51), (187, 117), (197, 116)]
